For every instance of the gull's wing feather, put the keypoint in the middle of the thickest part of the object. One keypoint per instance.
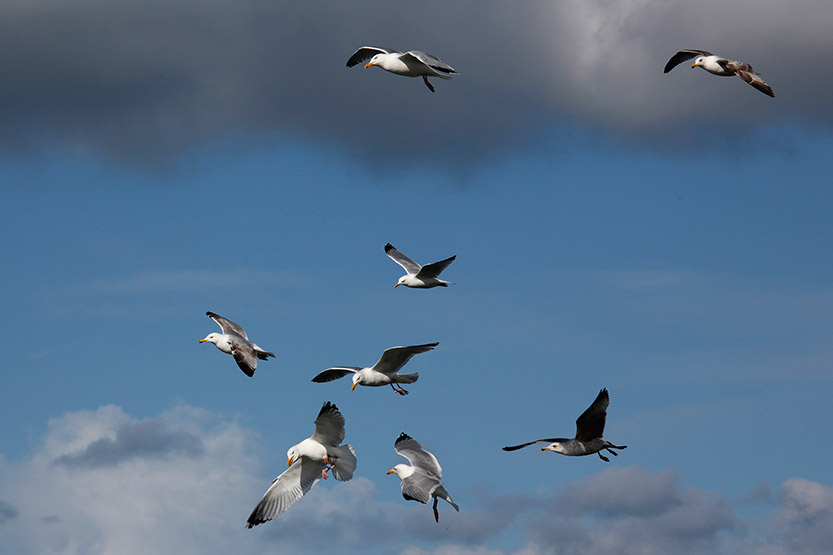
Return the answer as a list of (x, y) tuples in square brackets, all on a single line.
[(395, 358), (285, 490), (335, 373), (419, 486), (431, 61), (682, 56), (227, 325), (434, 269), (591, 423), (407, 264), (329, 426), (367, 52), (745, 72), (417, 455), (522, 445), (244, 356)]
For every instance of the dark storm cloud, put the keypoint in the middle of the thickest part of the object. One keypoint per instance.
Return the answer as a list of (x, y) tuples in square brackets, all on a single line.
[(145, 81), (151, 439)]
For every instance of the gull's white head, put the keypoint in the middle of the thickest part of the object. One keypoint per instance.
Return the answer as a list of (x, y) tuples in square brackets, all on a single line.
[(357, 379), (374, 60), (555, 447), (211, 338), (698, 62), (400, 470), (401, 281), (292, 455)]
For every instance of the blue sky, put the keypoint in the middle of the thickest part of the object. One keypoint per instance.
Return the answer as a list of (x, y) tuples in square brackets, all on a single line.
[(664, 236)]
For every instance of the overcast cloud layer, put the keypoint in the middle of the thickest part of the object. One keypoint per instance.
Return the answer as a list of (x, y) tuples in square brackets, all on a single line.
[(150, 496), (144, 81)]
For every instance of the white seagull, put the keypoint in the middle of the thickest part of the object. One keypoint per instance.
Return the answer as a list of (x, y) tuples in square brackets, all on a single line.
[(384, 372), (419, 277), (720, 66), (424, 479), (308, 462), (589, 430), (410, 64), (235, 342)]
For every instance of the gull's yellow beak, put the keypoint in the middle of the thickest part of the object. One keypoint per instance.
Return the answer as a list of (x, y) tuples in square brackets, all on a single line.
[(397, 285), (391, 471), (368, 64), (354, 387), (289, 461), (695, 64), (203, 340)]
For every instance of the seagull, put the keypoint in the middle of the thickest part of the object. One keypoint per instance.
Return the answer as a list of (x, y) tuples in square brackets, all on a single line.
[(410, 64), (308, 462), (235, 342), (384, 372), (424, 479), (589, 430), (419, 277), (720, 66)]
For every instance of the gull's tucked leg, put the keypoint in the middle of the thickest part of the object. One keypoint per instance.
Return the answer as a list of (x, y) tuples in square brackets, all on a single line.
[(612, 452), (436, 512), (427, 84), (605, 459)]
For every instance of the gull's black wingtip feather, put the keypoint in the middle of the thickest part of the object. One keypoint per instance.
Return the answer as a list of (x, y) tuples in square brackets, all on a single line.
[(402, 437), (389, 247)]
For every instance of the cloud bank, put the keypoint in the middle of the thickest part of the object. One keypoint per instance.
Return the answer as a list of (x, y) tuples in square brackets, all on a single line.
[(183, 482), (147, 81)]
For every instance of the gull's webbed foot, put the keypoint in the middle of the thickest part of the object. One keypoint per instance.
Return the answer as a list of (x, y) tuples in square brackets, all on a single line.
[(605, 459)]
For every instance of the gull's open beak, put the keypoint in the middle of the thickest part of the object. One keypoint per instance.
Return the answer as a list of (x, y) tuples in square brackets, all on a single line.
[(368, 64), (203, 340), (391, 471), (354, 387)]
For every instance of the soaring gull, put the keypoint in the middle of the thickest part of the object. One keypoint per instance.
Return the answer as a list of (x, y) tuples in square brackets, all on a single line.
[(235, 342), (384, 372), (420, 277), (424, 479), (590, 427), (308, 462), (720, 66), (410, 64)]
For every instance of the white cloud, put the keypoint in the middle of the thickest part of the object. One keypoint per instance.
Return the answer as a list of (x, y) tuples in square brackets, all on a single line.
[(148, 496)]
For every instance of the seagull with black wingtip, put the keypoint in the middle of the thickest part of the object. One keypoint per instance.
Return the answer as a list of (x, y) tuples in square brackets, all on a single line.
[(590, 427)]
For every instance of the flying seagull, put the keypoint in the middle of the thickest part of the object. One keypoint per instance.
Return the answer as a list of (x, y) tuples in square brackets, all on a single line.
[(720, 66), (308, 462), (235, 342), (384, 372), (424, 479), (589, 430), (410, 64), (419, 277)]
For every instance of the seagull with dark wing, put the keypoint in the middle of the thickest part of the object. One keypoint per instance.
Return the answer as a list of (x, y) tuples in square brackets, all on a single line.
[(419, 277), (308, 462), (413, 63), (235, 342), (424, 478), (384, 372), (590, 427), (720, 66)]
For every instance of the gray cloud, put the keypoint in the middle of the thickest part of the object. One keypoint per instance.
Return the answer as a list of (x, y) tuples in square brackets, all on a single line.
[(148, 439), (156, 504), (146, 81), (7, 512)]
